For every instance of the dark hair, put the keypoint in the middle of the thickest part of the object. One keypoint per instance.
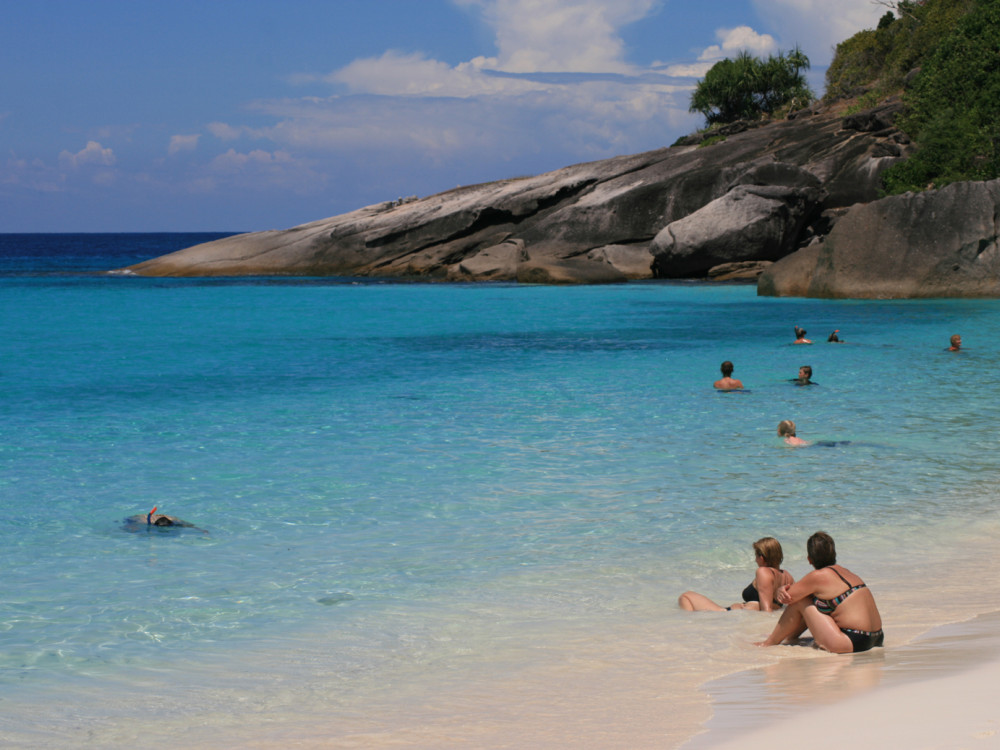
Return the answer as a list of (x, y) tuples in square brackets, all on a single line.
[(808, 369), (727, 368), (822, 551), (833, 337), (163, 521), (800, 333)]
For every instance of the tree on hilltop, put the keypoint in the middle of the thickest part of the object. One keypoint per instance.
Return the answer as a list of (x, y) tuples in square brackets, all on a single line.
[(748, 88)]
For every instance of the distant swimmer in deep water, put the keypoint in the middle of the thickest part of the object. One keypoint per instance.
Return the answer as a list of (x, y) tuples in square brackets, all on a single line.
[(761, 594), (160, 520), (834, 338), (956, 343), (786, 430), (800, 336), (805, 376), (728, 382)]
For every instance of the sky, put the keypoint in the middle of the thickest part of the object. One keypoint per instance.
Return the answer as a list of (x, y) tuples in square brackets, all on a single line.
[(243, 115)]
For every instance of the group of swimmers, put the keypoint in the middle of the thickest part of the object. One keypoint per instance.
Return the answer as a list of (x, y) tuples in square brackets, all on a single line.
[(833, 603)]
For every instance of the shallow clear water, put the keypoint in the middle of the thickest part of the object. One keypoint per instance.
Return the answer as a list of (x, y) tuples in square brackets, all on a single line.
[(426, 505)]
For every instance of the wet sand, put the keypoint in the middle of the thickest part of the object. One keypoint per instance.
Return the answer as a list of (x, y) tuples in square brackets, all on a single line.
[(936, 692)]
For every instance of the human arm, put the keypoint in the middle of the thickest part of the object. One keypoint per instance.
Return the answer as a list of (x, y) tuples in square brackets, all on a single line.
[(765, 582), (806, 586)]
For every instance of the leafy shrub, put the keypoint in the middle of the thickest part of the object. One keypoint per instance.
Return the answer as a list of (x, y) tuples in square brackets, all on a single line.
[(954, 107), (748, 87), (880, 59)]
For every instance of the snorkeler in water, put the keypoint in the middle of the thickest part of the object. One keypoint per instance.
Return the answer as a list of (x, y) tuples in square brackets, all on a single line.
[(159, 520)]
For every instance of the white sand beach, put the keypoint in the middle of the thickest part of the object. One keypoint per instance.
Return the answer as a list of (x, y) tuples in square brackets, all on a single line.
[(938, 692)]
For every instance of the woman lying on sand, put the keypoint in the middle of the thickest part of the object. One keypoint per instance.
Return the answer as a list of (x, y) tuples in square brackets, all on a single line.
[(832, 602), (761, 593)]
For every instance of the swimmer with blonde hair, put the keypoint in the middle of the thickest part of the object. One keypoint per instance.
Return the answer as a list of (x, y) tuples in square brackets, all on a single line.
[(786, 430)]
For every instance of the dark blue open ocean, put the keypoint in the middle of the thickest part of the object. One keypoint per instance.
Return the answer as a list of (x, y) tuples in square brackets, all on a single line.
[(436, 515)]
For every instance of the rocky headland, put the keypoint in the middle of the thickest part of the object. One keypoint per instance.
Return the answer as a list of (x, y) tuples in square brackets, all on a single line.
[(721, 205)]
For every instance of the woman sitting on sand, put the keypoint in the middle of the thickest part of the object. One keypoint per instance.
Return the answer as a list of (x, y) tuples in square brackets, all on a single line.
[(832, 602), (761, 593)]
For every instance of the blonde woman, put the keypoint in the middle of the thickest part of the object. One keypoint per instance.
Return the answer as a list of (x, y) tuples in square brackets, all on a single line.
[(786, 430), (761, 593)]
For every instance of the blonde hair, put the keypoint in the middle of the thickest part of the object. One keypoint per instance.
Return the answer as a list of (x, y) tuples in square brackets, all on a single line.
[(786, 428), (770, 549)]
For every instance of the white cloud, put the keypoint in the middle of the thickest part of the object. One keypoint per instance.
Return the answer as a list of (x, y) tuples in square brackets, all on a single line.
[(93, 154), (259, 170), (180, 143), (558, 36), (818, 25), (734, 41), (396, 74), (684, 70), (591, 118), (32, 174), (225, 132), (559, 86)]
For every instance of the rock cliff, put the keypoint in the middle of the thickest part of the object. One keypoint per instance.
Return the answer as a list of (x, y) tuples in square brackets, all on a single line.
[(758, 194), (939, 243)]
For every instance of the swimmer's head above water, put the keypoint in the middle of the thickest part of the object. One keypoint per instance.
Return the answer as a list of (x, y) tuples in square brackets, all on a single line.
[(786, 428)]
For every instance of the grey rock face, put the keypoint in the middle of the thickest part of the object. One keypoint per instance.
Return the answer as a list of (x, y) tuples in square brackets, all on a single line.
[(589, 223), (750, 222), (940, 243), (743, 271)]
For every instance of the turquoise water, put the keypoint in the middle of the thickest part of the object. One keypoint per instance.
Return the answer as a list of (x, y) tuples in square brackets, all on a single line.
[(442, 490)]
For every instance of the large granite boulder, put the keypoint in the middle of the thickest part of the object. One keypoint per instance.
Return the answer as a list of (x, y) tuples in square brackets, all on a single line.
[(750, 222), (939, 243), (589, 223)]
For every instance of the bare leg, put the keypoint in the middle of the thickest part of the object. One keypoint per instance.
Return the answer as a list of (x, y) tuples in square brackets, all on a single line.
[(791, 624), (695, 602), (828, 636)]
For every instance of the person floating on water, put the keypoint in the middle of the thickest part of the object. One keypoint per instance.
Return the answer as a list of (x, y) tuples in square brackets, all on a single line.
[(786, 430), (800, 336), (956, 343), (761, 593), (805, 376), (161, 520), (832, 602), (728, 382), (834, 338)]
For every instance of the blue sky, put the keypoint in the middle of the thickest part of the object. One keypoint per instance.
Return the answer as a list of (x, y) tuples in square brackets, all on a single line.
[(240, 115)]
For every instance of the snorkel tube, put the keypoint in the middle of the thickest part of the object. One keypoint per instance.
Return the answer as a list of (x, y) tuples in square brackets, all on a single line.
[(149, 516)]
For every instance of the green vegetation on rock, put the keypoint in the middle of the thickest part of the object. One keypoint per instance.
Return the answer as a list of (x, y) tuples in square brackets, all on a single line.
[(953, 107), (881, 58), (748, 88), (946, 55)]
